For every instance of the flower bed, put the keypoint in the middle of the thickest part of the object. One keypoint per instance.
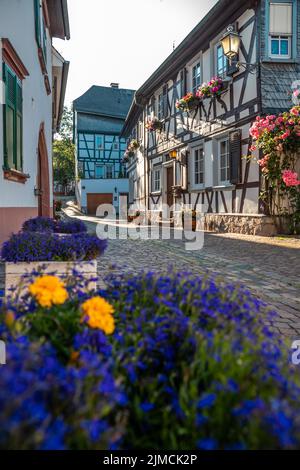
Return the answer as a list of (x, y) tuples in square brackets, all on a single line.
[(28, 251), (152, 362), (30, 246), (46, 224)]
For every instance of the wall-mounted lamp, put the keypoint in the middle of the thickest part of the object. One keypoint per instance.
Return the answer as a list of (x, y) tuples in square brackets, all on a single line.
[(173, 154), (231, 43), (38, 191)]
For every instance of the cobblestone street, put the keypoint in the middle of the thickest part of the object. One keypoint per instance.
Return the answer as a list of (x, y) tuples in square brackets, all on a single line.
[(269, 267)]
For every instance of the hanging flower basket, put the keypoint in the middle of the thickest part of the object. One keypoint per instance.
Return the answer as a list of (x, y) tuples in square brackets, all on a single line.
[(188, 103), (154, 124)]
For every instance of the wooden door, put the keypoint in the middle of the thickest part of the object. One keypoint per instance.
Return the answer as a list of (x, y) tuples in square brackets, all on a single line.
[(170, 183), (43, 184), (95, 200)]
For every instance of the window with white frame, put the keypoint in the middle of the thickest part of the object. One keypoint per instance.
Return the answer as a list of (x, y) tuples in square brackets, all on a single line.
[(280, 30), (221, 62), (156, 179), (196, 77), (198, 166), (224, 164)]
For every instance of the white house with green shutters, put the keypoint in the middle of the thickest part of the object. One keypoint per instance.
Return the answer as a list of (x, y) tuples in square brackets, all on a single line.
[(33, 78)]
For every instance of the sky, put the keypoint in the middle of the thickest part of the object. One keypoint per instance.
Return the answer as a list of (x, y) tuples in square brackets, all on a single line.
[(124, 41)]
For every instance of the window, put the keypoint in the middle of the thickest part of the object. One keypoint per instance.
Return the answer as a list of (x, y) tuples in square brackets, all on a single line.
[(109, 171), (162, 104), (13, 120), (103, 171), (40, 29), (280, 30), (157, 180), (199, 166), (196, 77), (99, 142), (224, 161), (221, 62)]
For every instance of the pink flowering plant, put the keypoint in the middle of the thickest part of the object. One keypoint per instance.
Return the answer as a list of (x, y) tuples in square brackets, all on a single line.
[(154, 124), (278, 139), (188, 103), (213, 88)]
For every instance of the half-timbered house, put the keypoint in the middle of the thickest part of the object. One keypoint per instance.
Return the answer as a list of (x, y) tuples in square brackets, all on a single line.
[(200, 156), (99, 115), (33, 77)]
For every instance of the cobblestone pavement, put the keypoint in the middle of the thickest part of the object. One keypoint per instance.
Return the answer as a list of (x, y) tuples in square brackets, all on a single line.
[(269, 267)]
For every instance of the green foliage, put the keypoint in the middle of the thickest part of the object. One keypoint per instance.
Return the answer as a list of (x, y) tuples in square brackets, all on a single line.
[(64, 152)]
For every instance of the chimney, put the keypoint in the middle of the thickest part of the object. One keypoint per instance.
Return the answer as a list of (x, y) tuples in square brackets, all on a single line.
[(114, 85)]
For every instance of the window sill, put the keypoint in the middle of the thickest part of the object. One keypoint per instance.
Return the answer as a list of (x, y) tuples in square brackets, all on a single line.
[(155, 193), (277, 60), (15, 176), (224, 186)]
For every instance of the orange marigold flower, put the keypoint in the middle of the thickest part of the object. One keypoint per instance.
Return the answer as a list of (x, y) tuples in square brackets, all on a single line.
[(98, 314), (48, 291)]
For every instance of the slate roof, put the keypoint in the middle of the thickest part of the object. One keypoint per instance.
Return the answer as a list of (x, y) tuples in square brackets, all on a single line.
[(99, 124), (276, 82), (105, 101)]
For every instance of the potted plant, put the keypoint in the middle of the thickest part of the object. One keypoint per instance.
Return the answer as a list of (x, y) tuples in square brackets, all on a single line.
[(50, 252), (188, 103)]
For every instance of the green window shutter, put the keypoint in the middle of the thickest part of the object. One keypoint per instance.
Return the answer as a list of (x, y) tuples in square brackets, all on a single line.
[(4, 118), (13, 133), (37, 12), (19, 126), (10, 121)]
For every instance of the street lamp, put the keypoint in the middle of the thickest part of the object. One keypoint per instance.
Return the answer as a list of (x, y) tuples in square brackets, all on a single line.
[(231, 43), (173, 154)]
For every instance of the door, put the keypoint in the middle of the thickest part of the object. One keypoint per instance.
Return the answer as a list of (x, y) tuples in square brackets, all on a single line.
[(97, 199), (43, 185), (170, 183)]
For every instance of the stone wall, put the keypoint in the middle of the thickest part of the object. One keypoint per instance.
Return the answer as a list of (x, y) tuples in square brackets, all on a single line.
[(259, 225)]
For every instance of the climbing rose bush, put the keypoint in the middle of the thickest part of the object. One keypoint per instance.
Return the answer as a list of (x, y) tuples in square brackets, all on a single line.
[(189, 364), (278, 138)]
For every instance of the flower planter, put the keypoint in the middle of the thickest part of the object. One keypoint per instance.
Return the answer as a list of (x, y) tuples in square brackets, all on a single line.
[(13, 272)]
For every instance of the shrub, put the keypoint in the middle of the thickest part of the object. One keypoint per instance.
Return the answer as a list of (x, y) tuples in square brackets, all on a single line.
[(46, 224), (31, 246), (198, 366)]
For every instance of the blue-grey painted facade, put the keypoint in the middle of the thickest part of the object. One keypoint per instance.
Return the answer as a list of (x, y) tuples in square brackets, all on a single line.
[(99, 116)]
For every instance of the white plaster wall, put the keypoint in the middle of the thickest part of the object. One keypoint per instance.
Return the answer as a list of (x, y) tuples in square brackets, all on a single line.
[(17, 23)]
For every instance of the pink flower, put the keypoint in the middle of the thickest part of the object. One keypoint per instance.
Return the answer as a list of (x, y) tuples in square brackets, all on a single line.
[(252, 148), (290, 178), (295, 111), (296, 93), (285, 135)]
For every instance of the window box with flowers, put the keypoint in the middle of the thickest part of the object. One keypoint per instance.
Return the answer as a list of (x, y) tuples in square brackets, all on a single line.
[(188, 103), (277, 137), (154, 124), (214, 88), (130, 152)]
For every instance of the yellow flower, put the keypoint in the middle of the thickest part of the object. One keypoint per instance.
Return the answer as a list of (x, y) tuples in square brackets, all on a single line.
[(48, 291), (99, 314)]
